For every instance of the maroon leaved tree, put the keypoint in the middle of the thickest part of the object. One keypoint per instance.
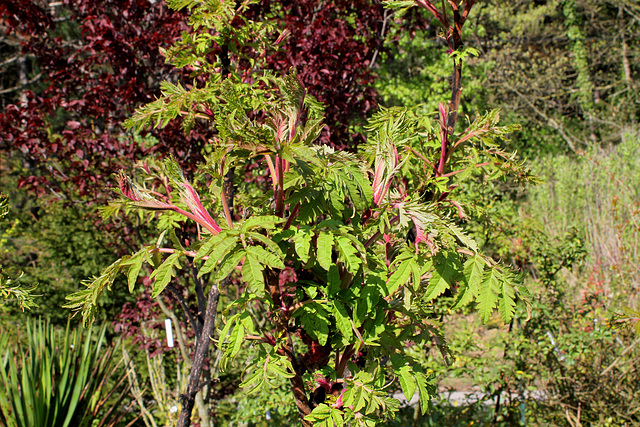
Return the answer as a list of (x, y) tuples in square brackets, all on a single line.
[(333, 45), (97, 61), (91, 63)]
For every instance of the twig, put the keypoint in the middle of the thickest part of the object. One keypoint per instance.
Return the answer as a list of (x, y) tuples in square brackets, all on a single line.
[(202, 304), (617, 360), (202, 348), (20, 86), (549, 120), (386, 17), (183, 304)]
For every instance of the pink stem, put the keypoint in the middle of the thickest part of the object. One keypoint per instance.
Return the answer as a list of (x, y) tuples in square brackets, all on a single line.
[(172, 251), (272, 169), (209, 227), (292, 215), (376, 236)]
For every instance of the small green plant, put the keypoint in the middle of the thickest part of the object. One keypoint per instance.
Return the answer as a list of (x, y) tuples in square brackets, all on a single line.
[(339, 259), (58, 379), (10, 289)]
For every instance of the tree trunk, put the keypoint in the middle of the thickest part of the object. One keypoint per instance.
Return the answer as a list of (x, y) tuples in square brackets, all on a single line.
[(202, 348)]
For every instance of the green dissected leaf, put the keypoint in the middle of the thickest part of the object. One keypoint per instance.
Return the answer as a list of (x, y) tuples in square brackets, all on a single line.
[(464, 296), (507, 302), (366, 394), (473, 273), (312, 207), (265, 221), (302, 241), (369, 297), (86, 300), (253, 382), (442, 277), (135, 265), (321, 416), (426, 391), (407, 381), (401, 275), (173, 238), (355, 397), (343, 321), (267, 367), (464, 239), (315, 319), (360, 249), (364, 185), (336, 199), (273, 246), (265, 257), (223, 247), (225, 331), (488, 294), (281, 367), (337, 417), (348, 254), (209, 244), (352, 188), (163, 274), (236, 338), (401, 6), (229, 263), (324, 249), (333, 279), (416, 273), (252, 273)]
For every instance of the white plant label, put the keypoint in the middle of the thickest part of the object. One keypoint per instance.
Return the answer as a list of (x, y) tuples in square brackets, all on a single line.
[(167, 325)]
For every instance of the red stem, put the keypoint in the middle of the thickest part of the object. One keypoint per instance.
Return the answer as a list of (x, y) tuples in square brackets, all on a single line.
[(376, 236), (292, 216), (196, 219), (172, 251)]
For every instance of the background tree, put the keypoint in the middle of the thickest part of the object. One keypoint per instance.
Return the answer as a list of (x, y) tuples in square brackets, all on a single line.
[(560, 68)]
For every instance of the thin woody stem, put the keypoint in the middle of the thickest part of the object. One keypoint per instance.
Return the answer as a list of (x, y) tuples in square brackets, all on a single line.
[(186, 310), (456, 79), (202, 348), (296, 382)]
